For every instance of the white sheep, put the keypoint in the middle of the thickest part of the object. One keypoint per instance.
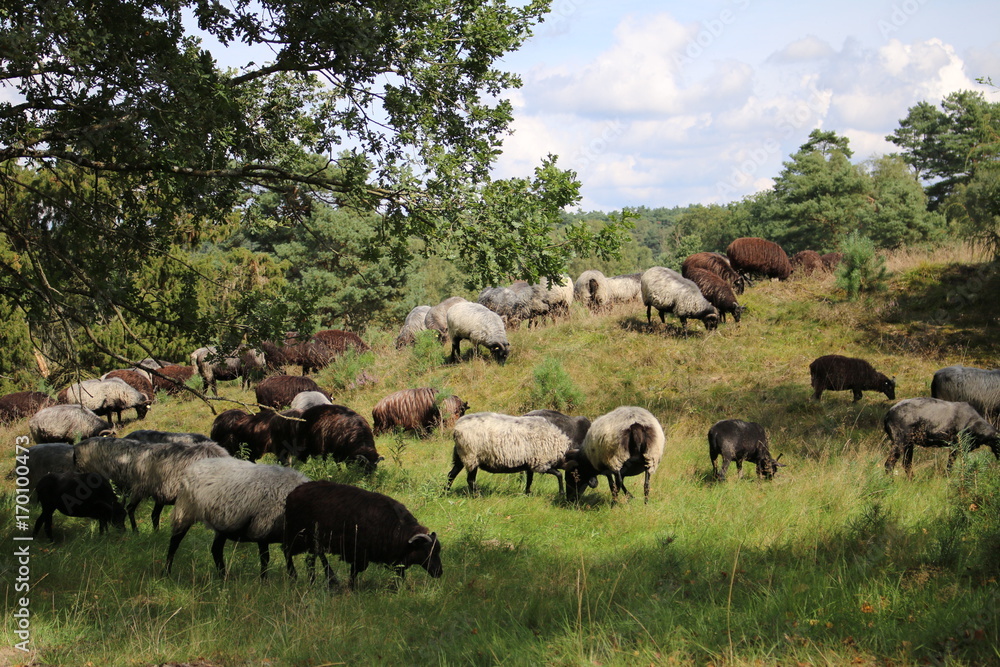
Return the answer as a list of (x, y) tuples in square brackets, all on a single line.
[(624, 442), (480, 326), (108, 397), (624, 289), (239, 500), (415, 322), (978, 387), (66, 423), (591, 289), (669, 292), (500, 443), (437, 317), (307, 399), (559, 295)]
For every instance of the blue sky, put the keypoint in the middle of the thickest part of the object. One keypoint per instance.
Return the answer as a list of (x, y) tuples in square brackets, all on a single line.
[(669, 104)]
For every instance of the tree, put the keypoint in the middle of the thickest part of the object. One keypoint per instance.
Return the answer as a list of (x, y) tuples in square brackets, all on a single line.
[(898, 215), (128, 137)]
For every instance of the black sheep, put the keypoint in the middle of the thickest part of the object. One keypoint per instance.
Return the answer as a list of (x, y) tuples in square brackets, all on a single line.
[(278, 391), (78, 494), (360, 526), (338, 432), (739, 441), (834, 372)]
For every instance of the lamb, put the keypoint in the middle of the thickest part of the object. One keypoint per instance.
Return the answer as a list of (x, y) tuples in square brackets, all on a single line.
[(360, 526), (278, 391), (931, 422), (108, 397), (591, 289), (414, 323), (67, 423), (138, 381), (78, 494), (717, 264), (480, 326), (739, 441), (624, 442), (669, 292), (239, 500), (807, 262), (757, 256), (22, 404), (834, 372), (575, 428), (437, 316), (717, 291), (978, 387), (307, 399), (624, 289), (338, 432), (244, 364), (500, 443), (420, 410)]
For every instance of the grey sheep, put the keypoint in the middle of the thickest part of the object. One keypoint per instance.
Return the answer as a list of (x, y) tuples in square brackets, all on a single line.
[(78, 494), (245, 364), (515, 304), (591, 289), (624, 442), (575, 428), (931, 422), (359, 526), (558, 295), (739, 441), (415, 322), (624, 289), (138, 380), (168, 437), (239, 500), (835, 372), (978, 387), (500, 443), (669, 292), (437, 316), (108, 397), (307, 399), (66, 423), (480, 326), (419, 410)]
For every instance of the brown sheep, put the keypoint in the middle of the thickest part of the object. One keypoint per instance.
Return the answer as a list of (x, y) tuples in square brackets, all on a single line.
[(717, 264), (339, 432), (176, 375), (278, 391), (758, 256), (420, 410), (832, 260), (22, 404), (807, 262), (835, 372), (717, 291)]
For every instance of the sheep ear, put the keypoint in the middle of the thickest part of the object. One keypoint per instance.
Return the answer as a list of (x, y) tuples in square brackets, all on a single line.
[(422, 536)]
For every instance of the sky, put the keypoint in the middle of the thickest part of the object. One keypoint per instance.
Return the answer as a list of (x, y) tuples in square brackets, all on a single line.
[(664, 104)]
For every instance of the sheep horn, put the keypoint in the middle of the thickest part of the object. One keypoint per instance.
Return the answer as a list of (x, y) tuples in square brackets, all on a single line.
[(420, 536)]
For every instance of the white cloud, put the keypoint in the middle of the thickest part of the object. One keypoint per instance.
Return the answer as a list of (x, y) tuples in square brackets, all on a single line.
[(806, 49)]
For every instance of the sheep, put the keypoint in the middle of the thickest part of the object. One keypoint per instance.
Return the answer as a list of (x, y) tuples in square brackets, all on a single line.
[(480, 326), (359, 526), (500, 443), (234, 428), (414, 323), (807, 262), (757, 256), (171, 378), (419, 410), (67, 423), (40, 460), (338, 432), (138, 381), (244, 364), (717, 291), (624, 289), (278, 391), (306, 399), (669, 292), (108, 397), (624, 442), (832, 260), (558, 295), (591, 289), (437, 316), (834, 372), (739, 441), (717, 264), (150, 436), (78, 494), (517, 303), (932, 422), (22, 404), (339, 341), (575, 428), (978, 387), (150, 469), (239, 500)]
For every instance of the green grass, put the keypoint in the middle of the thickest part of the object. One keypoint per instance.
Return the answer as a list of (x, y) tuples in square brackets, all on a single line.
[(832, 562)]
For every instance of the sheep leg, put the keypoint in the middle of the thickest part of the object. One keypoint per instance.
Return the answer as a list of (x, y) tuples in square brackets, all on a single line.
[(45, 518), (455, 469), (613, 486), (739, 469), (908, 460), (130, 510), (175, 541), (289, 561), (331, 578), (527, 487), (470, 480), (817, 393), (857, 395), (455, 350), (890, 462), (649, 314), (217, 546), (559, 477), (155, 516), (645, 488), (265, 558), (621, 484), (951, 458)]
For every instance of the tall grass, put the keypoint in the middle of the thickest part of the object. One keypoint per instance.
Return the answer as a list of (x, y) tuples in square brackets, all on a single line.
[(833, 562)]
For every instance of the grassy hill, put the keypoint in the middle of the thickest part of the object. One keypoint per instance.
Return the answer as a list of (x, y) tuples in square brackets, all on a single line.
[(832, 562)]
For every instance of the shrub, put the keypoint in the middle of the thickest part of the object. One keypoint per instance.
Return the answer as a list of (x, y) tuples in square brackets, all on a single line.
[(554, 389), (862, 269)]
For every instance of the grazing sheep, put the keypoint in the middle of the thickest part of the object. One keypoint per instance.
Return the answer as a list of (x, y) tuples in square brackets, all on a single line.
[(165, 437), (575, 428), (138, 381), (739, 441), (171, 378), (239, 500), (559, 295), (22, 404), (414, 323), (622, 443), (307, 399), (108, 397), (40, 460), (807, 262), (500, 443), (669, 292), (717, 291), (67, 423), (717, 264), (420, 410), (931, 422), (359, 526), (624, 289), (834, 372), (757, 256), (338, 432), (234, 428), (339, 341), (832, 260), (978, 387), (591, 289), (278, 391), (480, 326), (245, 364), (437, 316), (78, 494)]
